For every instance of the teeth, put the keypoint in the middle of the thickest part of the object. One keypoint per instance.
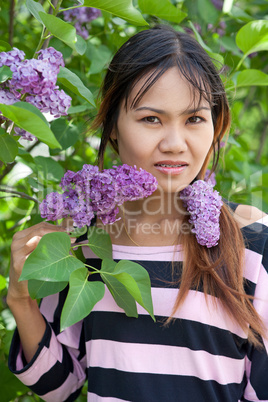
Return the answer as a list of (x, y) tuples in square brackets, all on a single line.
[(165, 165)]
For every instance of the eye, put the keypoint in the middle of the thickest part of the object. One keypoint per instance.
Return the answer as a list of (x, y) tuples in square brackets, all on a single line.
[(151, 119), (195, 119)]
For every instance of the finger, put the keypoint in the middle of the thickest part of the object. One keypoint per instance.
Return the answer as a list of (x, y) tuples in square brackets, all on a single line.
[(29, 239), (41, 228)]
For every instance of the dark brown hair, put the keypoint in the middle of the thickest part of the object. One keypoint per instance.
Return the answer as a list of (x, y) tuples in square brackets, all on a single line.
[(149, 54)]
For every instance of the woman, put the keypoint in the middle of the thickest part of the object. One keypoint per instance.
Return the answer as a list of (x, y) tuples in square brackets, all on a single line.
[(164, 109)]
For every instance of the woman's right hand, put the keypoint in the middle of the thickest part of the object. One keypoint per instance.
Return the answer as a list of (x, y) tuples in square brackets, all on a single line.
[(24, 242), (30, 322)]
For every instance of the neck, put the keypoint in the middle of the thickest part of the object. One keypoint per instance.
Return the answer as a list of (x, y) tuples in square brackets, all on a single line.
[(156, 208), (155, 221)]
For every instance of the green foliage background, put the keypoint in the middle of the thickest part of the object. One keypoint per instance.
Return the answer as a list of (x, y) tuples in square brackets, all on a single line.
[(237, 38)]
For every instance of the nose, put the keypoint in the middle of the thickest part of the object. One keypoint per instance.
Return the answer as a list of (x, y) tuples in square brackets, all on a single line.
[(174, 140)]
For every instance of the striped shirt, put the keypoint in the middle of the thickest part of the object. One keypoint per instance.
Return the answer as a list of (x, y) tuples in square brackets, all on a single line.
[(202, 356)]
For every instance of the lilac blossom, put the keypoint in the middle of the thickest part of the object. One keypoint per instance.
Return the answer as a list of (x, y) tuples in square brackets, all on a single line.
[(53, 206), (80, 17), (90, 192), (219, 29), (52, 57), (217, 3), (204, 206), (54, 101), (129, 186), (6, 97), (35, 78), (13, 57), (25, 135), (210, 178)]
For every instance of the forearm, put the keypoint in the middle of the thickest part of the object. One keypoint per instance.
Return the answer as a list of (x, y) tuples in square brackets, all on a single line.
[(30, 323)]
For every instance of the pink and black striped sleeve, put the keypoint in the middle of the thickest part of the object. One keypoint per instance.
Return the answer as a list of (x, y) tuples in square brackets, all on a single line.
[(57, 371), (257, 359)]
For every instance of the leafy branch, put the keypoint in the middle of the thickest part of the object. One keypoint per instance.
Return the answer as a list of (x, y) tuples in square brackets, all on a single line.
[(128, 282)]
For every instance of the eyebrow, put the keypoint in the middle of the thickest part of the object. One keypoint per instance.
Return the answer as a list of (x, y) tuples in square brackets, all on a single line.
[(160, 111)]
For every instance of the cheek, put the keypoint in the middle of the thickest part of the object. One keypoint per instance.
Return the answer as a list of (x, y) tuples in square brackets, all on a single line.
[(203, 146), (208, 141), (128, 149)]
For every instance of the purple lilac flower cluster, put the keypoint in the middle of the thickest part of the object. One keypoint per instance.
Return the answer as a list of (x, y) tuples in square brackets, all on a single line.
[(220, 29), (210, 178), (218, 4), (80, 17), (37, 79), (204, 206), (90, 192)]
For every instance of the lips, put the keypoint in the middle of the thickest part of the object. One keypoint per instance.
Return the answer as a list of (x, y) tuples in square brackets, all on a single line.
[(171, 163), (171, 167)]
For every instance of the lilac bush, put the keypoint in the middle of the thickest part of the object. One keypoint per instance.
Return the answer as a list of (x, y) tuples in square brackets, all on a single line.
[(210, 178), (91, 192), (80, 17), (35, 79)]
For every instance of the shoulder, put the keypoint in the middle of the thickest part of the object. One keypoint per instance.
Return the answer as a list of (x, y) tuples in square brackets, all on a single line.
[(247, 214), (254, 226)]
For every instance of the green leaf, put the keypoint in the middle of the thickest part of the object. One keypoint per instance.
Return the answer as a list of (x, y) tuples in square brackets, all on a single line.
[(79, 253), (81, 298), (216, 58), (77, 232), (73, 82), (207, 11), (5, 73), (28, 117), (51, 261), (163, 9), (81, 45), (65, 132), (8, 147), (33, 109), (3, 282), (10, 386), (63, 31), (4, 46), (78, 109), (251, 77), (199, 38), (120, 294), (239, 14), (48, 168), (98, 57), (100, 242), (121, 8), (136, 280), (35, 8), (229, 44), (39, 289), (252, 37)]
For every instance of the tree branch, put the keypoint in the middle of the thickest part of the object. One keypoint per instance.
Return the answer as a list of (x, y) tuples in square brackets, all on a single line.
[(19, 194), (11, 22)]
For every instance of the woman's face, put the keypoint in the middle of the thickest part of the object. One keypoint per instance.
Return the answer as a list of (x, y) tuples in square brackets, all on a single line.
[(165, 133)]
